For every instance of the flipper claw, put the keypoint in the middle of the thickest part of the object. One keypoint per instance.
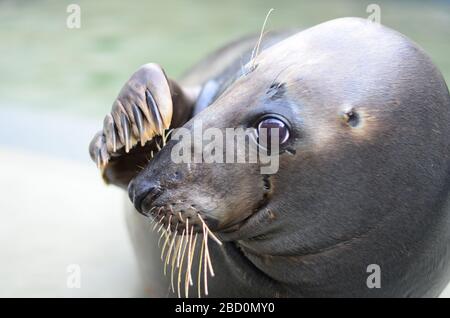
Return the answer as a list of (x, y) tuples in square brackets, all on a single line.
[(138, 118), (126, 131), (151, 103)]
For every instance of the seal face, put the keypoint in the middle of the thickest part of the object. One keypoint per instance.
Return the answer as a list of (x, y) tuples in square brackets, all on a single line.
[(363, 117)]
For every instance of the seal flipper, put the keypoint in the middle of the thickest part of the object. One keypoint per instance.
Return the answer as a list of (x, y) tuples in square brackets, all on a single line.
[(147, 105)]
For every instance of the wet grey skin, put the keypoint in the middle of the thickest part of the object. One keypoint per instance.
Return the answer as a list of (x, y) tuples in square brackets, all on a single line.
[(364, 176)]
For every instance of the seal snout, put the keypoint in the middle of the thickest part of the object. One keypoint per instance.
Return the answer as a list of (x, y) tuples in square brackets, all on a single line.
[(140, 189), (152, 201)]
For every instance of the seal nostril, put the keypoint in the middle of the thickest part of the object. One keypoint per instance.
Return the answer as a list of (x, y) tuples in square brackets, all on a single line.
[(352, 117)]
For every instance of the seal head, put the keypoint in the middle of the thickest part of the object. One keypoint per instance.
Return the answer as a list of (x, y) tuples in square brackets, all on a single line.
[(363, 176)]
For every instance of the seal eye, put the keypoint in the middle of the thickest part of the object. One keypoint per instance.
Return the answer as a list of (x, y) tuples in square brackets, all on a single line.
[(269, 123)]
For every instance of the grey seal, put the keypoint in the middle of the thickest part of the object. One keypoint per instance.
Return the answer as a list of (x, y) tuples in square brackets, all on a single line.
[(363, 178)]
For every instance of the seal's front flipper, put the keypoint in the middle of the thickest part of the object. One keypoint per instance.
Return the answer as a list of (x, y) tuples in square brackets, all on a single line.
[(148, 104)]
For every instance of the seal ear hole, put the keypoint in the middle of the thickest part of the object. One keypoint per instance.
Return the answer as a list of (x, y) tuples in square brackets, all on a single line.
[(352, 118)]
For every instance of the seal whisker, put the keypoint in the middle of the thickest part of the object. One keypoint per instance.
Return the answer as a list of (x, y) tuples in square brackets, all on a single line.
[(187, 231), (156, 219), (157, 223), (159, 212), (187, 273), (160, 237), (199, 276), (205, 269), (255, 50), (174, 258), (169, 252), (181, 266), (167, 238), (162, 225), (191, 282), (164, 232), (179, 254), (168, 234), (208, 257), (209, 232)]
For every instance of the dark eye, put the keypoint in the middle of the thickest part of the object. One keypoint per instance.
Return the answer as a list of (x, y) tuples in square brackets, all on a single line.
[(273, 123)]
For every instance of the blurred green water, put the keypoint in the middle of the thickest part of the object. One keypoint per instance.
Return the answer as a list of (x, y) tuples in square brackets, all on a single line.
[(45, 65)]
